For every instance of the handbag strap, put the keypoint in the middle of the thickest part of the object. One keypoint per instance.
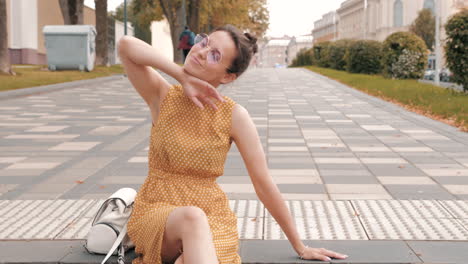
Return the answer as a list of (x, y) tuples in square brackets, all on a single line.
[(119, 239)]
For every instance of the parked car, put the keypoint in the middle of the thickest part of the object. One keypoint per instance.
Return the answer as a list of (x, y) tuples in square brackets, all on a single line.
[(445, 75), (429, 74)]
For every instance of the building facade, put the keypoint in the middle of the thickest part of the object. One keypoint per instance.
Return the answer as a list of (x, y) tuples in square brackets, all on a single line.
[(25, 22), (296, 44), (377, 19), (273, 53), (161, 38), (380, 18), (325, 29)]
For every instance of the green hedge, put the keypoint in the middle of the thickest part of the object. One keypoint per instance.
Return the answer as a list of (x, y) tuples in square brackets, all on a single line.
[(404, 56), (457, 46), (363, 56), (303, 58), (336, 53), (321, 54)]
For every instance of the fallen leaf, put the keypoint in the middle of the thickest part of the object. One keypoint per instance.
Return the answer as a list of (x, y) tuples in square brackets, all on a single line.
[(79, 182)]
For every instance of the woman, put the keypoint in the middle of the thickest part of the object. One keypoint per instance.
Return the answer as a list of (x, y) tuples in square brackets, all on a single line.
[(181, 215)]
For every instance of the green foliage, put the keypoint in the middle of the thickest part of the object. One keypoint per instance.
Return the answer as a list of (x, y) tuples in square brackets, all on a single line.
[(424, 27), (140, 22), (456, 48), (364, 56), (303, 58), (393, 48), (336, 53), (321, 54), (437, 102)]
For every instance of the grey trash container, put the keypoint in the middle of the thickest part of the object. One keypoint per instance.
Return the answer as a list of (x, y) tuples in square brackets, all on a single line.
[(70, 47)]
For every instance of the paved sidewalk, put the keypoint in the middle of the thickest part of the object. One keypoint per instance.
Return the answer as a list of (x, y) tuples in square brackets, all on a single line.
[(361, 176)]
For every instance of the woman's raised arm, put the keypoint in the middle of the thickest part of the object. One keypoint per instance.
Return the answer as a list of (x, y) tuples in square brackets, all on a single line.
[(138, 58)]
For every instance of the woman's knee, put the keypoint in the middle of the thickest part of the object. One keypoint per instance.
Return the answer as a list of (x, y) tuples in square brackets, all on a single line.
[(193, 215)]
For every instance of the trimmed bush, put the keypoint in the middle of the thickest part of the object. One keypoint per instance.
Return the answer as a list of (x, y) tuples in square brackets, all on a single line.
[(321, 54), (364, 56), (303, 58), (456, 47), (401, 64), (336, 52)]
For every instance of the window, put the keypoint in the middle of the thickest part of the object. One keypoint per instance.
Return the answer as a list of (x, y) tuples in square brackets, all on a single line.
[(398, 13), (429, 4)]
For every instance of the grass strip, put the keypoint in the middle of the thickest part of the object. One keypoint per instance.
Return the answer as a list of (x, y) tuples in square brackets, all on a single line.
[(36, 75), (445, 105)]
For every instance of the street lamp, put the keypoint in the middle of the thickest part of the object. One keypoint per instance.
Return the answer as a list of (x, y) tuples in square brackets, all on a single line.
[(364, 26), (125, 17), (437, 42)]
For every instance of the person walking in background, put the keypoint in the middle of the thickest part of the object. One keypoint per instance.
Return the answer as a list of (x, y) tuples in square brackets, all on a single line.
[(186, 41)]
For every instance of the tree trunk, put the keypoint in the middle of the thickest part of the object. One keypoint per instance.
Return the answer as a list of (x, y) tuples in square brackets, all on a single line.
[(178, 28), (194, 16), (175, 21), (5, 66), (101, 28), (72, 11), (79, 12)]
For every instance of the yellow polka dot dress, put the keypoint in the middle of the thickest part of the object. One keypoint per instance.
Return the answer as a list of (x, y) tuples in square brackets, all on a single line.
[(187, 152)]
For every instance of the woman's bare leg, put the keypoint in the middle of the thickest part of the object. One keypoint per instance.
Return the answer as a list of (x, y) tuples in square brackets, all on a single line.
[(188, 227), (180, 259)]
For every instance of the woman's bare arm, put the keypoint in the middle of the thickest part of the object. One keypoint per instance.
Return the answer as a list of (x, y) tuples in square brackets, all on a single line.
[(138, 58), (246, 137)]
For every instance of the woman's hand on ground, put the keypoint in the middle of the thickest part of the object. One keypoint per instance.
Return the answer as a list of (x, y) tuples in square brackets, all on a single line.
[(321, 254), (200, 91)]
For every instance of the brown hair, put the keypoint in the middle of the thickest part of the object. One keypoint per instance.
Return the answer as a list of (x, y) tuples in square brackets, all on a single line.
[(246, 47)]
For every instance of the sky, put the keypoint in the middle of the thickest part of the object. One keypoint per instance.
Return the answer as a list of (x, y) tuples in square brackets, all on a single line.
[(296, 17), (287, 17)]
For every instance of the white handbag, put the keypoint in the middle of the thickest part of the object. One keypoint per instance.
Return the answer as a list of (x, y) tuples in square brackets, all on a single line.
[(109, 227)]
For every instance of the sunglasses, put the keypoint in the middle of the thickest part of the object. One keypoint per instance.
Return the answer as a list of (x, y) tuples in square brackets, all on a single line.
[(214, 55)]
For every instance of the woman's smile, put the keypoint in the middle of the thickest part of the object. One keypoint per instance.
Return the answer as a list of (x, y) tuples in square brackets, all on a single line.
[(196, 60)]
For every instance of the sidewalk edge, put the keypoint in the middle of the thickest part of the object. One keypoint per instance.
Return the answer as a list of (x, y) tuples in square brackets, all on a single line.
[(21, 92)]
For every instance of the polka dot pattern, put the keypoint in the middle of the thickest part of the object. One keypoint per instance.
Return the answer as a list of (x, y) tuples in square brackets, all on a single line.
[(188, 149)]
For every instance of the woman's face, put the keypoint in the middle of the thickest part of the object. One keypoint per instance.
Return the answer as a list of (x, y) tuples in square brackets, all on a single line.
[(200, 63)]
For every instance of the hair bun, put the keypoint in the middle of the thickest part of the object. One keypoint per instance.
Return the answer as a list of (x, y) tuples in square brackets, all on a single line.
[(252, 40)]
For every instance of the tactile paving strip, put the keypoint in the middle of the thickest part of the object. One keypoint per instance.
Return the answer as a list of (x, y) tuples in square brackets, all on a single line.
[(38, 219), (331, 220), (409, 220), (250, 218)]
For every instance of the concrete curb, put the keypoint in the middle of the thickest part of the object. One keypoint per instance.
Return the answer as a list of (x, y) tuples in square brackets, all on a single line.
[(54, 87), (256, 252)]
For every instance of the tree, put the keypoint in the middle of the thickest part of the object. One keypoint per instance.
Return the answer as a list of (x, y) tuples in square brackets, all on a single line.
[(101, 28), (5, 66), (72, 11), (404, 55), (140, 22), (424, 27), (456, 47), (204, 15)]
